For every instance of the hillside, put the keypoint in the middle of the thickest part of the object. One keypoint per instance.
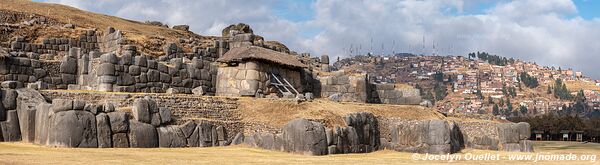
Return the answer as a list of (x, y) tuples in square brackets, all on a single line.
[(35, 21)]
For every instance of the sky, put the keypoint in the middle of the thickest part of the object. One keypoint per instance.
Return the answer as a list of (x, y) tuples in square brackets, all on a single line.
[(561, 33)]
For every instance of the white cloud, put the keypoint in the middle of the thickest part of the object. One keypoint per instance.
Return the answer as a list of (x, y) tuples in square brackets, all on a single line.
[(542, 31)]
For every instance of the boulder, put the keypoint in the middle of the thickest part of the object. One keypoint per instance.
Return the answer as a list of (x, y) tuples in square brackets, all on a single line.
[(73, 129), (141, 111), (10, 128), (165, 115), (142, 135), (304, 136), (181, 27), (93, 108), (199, 91), (507, 134), (526, 145), (194, 139), (238, 139), (170, 137), (155, 119), (118, 122), (431, 136), (188, 128), (120, 140), (9, 99), (59, 105), (104, 132), (27, 101), (110, 58), (205, 134), (42, 122), (68, 66), (523, 129), (2, 112)]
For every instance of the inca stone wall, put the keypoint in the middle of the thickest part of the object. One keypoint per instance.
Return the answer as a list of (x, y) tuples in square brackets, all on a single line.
[(140, 73), (389, 94), (428, 136), (342, 87), (87, 41), (360, 135), (252, 78)]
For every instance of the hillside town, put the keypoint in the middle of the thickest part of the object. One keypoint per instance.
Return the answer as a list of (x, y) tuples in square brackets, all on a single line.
[(476, 83)]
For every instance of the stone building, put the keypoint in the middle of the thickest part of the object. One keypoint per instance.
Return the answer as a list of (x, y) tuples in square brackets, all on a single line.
[(251, 71)]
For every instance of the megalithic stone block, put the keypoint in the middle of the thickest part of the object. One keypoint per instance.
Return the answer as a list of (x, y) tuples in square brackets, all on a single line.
[(10, 128)]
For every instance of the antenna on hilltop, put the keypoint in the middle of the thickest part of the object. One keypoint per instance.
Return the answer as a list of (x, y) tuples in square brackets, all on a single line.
[(371, 50)]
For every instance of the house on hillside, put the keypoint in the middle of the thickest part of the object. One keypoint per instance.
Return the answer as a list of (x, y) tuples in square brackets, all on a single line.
[(256, 71)]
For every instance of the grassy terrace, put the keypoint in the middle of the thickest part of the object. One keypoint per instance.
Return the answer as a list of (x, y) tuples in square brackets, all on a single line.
[(23, 153)]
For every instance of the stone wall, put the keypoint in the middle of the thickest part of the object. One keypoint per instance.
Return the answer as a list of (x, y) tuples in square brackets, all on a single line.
[(389, 94), (343, 87), (87, 41), (24, 68), (75, 123), (360, 135), (428, 136), (504, 136), (141, 73), (252, 78)]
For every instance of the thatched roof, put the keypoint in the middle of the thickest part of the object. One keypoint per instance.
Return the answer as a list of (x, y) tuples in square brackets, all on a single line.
[(240, 54)]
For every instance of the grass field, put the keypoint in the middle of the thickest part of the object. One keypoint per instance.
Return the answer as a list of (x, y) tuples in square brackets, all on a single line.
[(24, 153)]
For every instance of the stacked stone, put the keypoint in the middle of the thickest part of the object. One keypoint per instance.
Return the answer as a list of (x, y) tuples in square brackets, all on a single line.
[(112, 40), (172, 51), (88, 41), (9, 120), (514, 137), (429, 136), (343, 87), (389, 94), (73, 123), (22, 67), (241, 40), (68, 69), (251, 78)]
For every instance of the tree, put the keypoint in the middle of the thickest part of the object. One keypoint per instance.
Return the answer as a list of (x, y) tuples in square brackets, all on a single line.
[(438, 76), (509, 105), (479, 95), (523, 110), (529, 81), (440, 91), (512, 91), (496, 110), (502, 102), (561, 91)]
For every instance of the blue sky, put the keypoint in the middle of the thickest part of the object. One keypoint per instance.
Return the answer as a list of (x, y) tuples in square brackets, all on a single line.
[(563, 33)]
